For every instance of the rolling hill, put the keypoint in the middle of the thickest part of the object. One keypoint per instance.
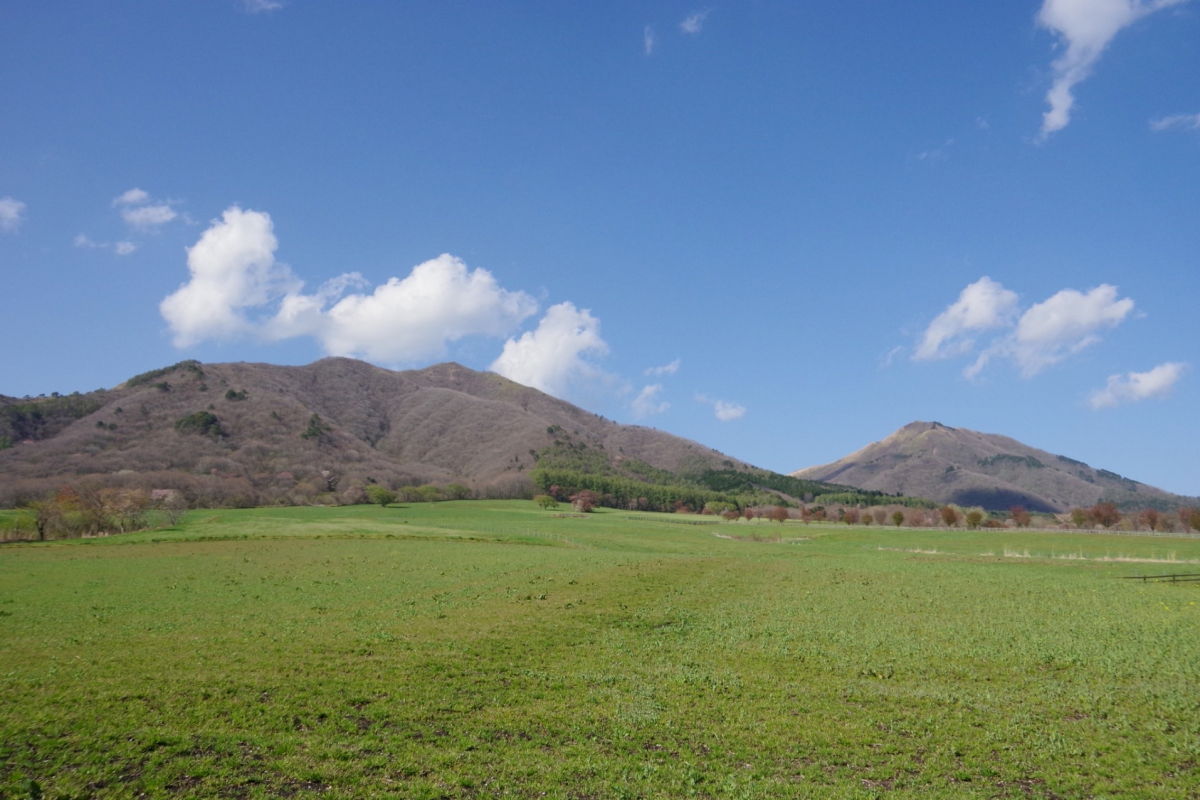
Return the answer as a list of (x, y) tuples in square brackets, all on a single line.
[(282, 432), (956, 465)]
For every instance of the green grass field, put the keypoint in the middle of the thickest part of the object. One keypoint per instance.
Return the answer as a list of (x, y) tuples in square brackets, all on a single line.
[(491, 649)]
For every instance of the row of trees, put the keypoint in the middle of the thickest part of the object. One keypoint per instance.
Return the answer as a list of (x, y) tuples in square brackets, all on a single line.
[(1108, 516), (427, 493), (91, 510), (618, 492)]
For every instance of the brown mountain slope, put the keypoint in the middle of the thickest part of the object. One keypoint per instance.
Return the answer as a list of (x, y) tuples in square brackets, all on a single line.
[(328, 424), (956, 465)]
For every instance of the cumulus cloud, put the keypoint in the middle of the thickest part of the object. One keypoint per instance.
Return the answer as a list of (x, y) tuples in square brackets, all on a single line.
[(1043, 335), (982, 305), (12, 214), (1064, 324), (123, 248), (1084, 28), (238, 288), (1187, 122), (555, 355), (648, 40), (693, 23), (1133, 387), (647, 402), (233, 269), (722, 409), (410, 318), (665, 369)]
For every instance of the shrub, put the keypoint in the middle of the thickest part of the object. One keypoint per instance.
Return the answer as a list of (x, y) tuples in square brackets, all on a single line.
[(381, 495), (584, 501), (316, 429), (203, 423)]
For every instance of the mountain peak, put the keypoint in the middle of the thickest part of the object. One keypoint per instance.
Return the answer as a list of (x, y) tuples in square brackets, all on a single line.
[(958, 465)]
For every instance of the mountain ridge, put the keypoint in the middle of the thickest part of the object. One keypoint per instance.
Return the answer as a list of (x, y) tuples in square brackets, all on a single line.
[(334, 420), (966, 467)]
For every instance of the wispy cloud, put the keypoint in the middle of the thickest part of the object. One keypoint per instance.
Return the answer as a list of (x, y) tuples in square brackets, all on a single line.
[(693, 23), (147, 217), (1133, 387), (647, 402), (261, 6), (1064, 324), (132, 197), (982, 305), (1044, 334), (142, 212), (1187, 122), (728, 411), (665, 369), (649, 41), (12, 214), (723, 410), (1084, 28), (122, 248), (936, 154)]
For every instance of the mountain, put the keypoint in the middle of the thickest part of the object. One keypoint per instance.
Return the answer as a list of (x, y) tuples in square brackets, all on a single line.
[(956, 465), (283, 433)]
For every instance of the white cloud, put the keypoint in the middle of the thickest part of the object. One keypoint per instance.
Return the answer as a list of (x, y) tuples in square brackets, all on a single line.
[(937, 154), (648, 40), (232, 269), (1043, 335), (982, 305), (261, 6), (132, 197), (1064, 324), (412, 318), (1085, 28), (143, 212), (120, 248), (554, 356), (694, 23), (1187, 122), (665, 369), (723, 410), (1133, 387), (146, 217), (647, 403), (12, 214), (234, 274)]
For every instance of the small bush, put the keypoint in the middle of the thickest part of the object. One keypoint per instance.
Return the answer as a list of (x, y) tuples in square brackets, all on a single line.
[(204, 423)]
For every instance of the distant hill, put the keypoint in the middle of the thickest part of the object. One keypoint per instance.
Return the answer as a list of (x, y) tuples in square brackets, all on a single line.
[(279, 432), (956, 465)]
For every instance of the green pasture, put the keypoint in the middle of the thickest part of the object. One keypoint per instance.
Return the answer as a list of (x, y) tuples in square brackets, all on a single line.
[(492, 649)]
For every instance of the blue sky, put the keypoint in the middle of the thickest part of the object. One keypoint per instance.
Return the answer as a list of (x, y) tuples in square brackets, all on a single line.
[(781, 229)]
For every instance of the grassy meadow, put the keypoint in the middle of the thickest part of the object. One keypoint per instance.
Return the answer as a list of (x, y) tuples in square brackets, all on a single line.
[(491, 649)]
